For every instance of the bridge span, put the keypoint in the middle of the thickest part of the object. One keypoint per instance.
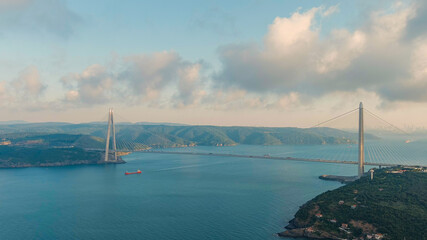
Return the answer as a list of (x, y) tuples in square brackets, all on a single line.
[(279, 158), (361, 146)]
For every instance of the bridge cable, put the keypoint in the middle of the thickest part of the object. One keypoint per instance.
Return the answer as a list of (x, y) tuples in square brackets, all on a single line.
[(332, 119), (379, 118)]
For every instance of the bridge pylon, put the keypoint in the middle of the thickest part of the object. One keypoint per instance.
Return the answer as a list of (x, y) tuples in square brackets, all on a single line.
[(361, 142), (107, 142)]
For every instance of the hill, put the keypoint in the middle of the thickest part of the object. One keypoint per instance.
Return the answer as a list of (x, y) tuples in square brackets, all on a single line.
[(54, 140), (393, 205), (16, 156), (161, 136)]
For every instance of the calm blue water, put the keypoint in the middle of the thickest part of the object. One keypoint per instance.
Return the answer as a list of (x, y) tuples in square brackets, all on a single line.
[(176, 197)]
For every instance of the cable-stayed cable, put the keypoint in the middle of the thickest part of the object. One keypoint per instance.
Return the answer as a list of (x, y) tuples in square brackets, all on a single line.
[(379, 118), (334, 118)]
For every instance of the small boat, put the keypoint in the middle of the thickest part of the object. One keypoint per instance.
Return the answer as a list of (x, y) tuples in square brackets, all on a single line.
[(137, 172)]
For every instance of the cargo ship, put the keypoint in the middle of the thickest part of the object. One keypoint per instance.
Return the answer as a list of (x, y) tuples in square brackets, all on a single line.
[(129, 173)]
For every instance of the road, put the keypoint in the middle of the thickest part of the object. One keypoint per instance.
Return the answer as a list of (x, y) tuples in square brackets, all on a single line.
[(278, 158)]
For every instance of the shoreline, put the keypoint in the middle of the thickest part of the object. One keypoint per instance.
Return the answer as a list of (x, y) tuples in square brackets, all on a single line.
[(367, 208), (54, 157), (76, 163)]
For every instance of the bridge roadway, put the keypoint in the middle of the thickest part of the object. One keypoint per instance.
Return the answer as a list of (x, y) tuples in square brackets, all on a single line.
[(278, 158)]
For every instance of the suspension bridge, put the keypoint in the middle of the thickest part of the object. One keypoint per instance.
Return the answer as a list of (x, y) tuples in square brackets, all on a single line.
[(374, 153)]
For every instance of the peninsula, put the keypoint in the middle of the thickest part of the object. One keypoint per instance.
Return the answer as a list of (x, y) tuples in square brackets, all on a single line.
[(18, 157), (392, 205)]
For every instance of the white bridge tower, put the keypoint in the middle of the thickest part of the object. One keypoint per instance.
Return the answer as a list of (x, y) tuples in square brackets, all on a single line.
[(361, 142), (107, 141)]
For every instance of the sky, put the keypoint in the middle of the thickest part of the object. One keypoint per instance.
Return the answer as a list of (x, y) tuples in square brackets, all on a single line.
[(233, 63)]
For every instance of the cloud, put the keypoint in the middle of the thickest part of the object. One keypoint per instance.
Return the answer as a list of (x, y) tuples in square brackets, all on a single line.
[(190, 88), (153, 77), (51, 16), (331, 10), (72, 95), (294, 64), (28, 83), (294, 59), (24, 91), (147, 75), (276, 66), (3, 95), (148, 79), (93, 86), (292, 67), (237, 100)]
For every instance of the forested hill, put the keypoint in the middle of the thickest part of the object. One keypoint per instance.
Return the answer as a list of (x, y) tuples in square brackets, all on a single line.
[(18, 156), (392, 205), (179, 136)]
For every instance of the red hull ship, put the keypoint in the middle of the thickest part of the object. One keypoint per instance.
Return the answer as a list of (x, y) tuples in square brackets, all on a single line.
[(137, 172)]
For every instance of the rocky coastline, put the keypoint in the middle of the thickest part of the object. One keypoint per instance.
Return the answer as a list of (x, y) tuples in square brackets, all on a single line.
[(295, 230)]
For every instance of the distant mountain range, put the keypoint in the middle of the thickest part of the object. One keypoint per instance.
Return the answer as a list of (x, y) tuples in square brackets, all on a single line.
[(141, 136), (59, 144)]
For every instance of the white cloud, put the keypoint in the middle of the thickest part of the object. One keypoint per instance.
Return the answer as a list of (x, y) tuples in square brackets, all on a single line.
[(190, 88), (147, 74), (24, 91), (293, 64), (289, 100), (28, 83), (145, 79), (93, 86), (72, 95), (2, 88), (340, 50), (331, 10), (286, 34), (295, 59)]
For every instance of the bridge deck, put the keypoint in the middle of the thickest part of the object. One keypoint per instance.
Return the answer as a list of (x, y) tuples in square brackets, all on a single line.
[(280, 158)]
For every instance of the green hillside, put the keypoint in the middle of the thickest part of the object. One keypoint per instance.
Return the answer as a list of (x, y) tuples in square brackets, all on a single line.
[(15, 156), (128, 136), (392, 204), (55, 140)]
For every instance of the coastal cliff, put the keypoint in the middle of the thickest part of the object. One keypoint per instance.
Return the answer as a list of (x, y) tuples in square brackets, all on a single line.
[(391, 206)]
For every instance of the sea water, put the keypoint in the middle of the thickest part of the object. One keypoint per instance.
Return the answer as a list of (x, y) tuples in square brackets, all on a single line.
[(175, 197)]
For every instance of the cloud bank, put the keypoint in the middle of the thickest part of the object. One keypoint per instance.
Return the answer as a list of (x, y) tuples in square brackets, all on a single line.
[(384, 58), (139, 79)]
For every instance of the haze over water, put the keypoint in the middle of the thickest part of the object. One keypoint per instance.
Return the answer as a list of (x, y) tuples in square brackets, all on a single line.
[(176, 196)]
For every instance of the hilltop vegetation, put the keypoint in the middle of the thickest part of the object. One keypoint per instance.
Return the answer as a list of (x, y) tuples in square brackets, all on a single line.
[(15, 156), (392, 204), (160, 136), (54, 140)]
